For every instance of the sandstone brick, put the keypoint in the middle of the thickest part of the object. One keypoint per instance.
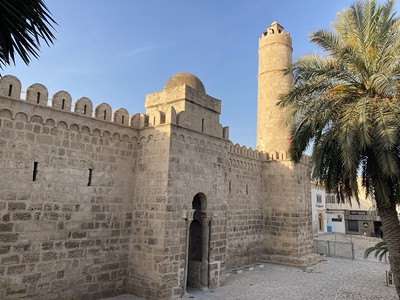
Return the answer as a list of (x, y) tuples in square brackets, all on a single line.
[(6, 227), (10, 260), (8, 237), (13, 270)]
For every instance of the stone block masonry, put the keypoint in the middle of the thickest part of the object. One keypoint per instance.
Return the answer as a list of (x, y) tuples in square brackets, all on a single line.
[(62, 235), (96, 203)]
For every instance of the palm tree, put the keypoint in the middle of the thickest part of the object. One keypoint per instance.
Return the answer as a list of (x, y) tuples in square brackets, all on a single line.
[(23, 24), (346, 104), (380, 250)]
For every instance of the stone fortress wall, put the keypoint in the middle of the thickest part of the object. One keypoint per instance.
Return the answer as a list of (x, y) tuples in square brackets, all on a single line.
[(96, 202)]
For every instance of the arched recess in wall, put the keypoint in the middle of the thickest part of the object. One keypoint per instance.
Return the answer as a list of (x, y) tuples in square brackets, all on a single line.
[(5, 113), (20, 116)]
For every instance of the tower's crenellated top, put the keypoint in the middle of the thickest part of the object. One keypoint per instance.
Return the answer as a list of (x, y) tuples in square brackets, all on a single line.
[(275, 33), (274, 28)]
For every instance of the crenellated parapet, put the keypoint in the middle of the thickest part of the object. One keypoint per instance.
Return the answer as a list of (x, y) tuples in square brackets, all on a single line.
[(37, 95)]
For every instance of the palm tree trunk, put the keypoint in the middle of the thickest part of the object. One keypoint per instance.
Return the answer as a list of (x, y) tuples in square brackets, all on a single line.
[(391, 232)]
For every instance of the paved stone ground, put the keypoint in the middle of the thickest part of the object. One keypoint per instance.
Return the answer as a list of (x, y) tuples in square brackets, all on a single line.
[(336, 279)]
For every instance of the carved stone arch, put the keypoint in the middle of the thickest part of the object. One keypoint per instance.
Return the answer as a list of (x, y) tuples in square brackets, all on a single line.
[(85, 130), (125, 138), (150, 138), (195, 141), (170, 117), (84, 106), (208, 145), (96, 132), (134, 140), (199, 202), (188, 140), (10, 86), (214, 146), (116, 136), (158, 137), (103, 112), (143, 139), (20, 116), (6, 114), (120, 116), (106, 134), (202, 143), (37, 93), (62, 125), (36, 119), (174, 136), (50, 122), (74, 128), (61, 100), (181, 138)]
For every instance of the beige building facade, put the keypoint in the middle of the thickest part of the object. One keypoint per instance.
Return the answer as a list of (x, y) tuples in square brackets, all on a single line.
[(96, 202)]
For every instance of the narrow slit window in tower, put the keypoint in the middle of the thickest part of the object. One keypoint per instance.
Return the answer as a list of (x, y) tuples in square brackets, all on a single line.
[(63, 104), (202, 125), (10, 90), (84, 109), (247, 189), (38, 98), (123, 119), (230, 187), (154, 121), (90, 177), (35, 170), (105, 114)]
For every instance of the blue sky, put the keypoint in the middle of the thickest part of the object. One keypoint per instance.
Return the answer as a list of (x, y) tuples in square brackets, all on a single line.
[(118, 51)]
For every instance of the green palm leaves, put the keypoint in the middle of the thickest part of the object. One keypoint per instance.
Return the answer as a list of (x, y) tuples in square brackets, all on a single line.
[(380, 250), (346, 103), (23, 25)]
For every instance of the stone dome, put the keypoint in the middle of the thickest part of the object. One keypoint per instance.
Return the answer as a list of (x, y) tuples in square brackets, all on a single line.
[(185, 78)]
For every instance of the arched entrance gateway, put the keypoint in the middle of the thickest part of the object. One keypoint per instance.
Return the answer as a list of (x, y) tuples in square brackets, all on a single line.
[(320, 222), (198, 247)]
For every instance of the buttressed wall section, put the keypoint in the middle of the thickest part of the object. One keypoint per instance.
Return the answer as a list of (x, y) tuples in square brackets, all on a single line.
[(95, 202)]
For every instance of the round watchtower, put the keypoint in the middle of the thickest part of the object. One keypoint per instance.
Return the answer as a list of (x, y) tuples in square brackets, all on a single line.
[(274, 55)]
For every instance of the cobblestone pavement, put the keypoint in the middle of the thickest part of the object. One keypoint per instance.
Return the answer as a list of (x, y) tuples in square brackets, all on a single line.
[(336, 279)]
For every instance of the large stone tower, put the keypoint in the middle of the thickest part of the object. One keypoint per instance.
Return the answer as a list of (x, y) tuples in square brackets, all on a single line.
[(287, 202), (275, 54)]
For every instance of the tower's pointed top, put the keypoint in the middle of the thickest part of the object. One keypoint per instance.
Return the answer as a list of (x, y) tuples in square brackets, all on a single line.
[(275, 27)]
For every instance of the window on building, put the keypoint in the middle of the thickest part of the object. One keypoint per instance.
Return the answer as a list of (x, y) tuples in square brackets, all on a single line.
[(352, 225), (330, 198), (319, 198)]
